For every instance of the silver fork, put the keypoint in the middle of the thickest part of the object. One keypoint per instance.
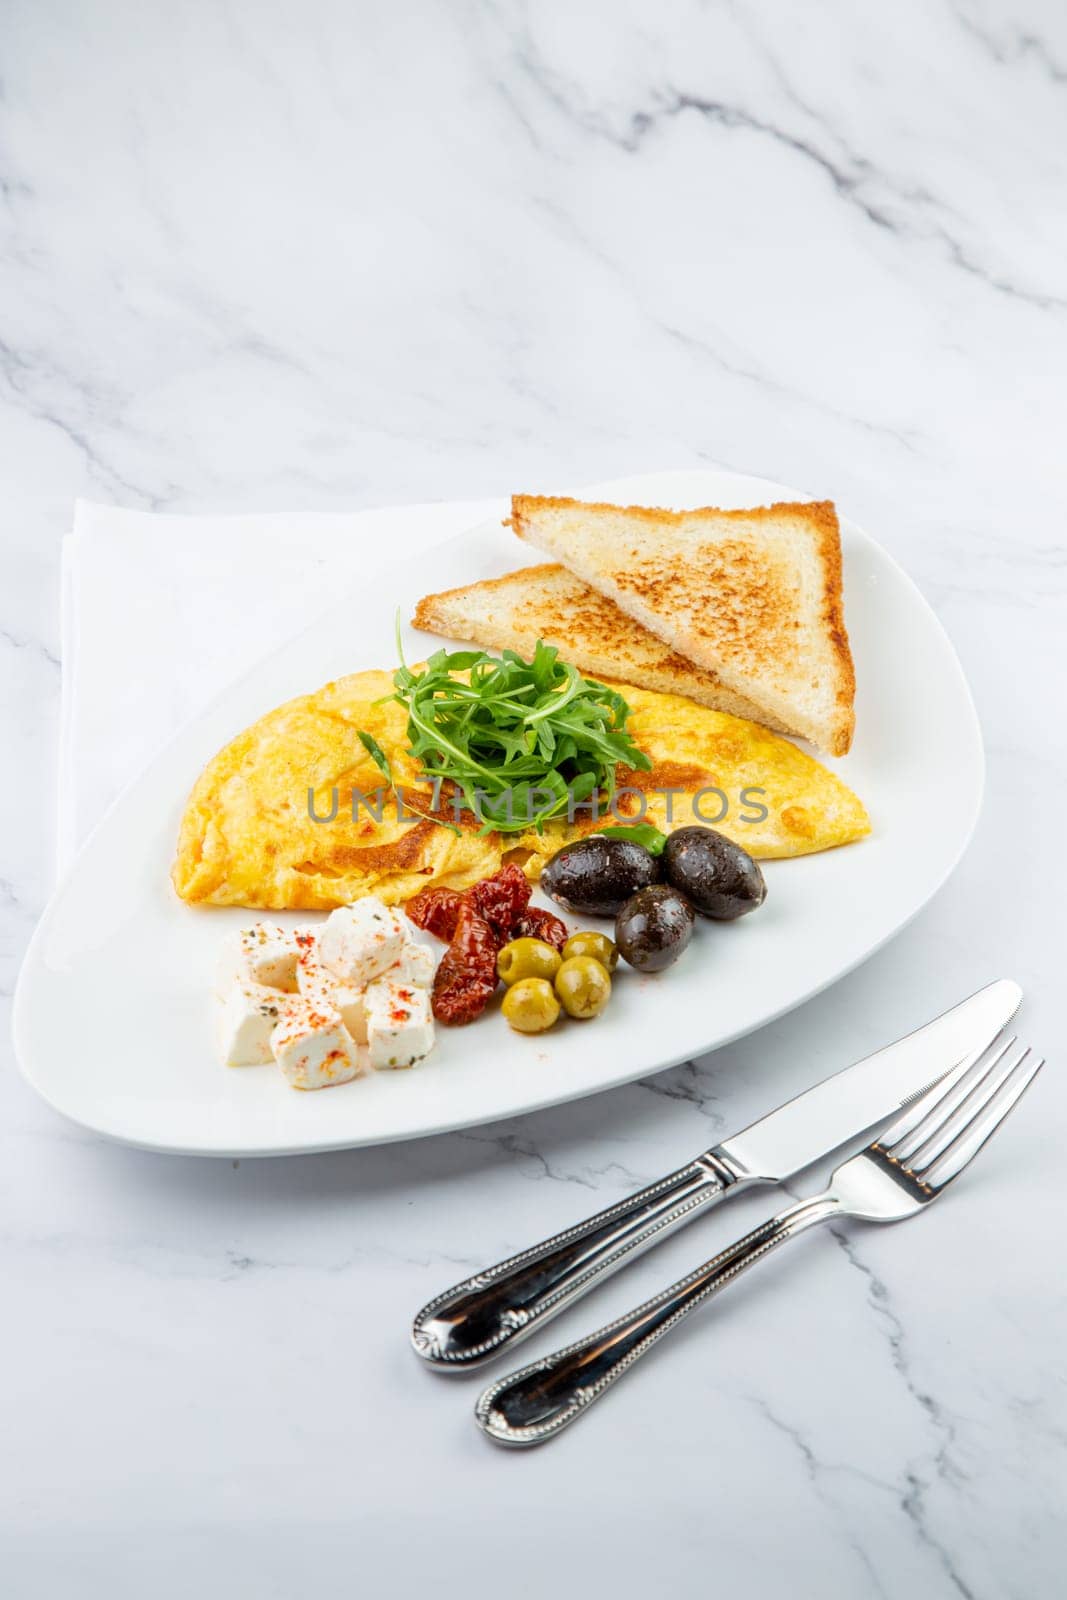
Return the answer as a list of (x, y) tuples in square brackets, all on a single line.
[(906, 1167)]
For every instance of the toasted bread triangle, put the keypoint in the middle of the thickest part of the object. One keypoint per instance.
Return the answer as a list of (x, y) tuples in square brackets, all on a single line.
[(753, 597)]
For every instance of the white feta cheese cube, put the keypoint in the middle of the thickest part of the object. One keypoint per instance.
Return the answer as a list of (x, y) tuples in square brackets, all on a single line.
[(313, 1047), (264, 954), (318, 984), (399, 1024), (247, 1016), (361, 941), (415, 965)]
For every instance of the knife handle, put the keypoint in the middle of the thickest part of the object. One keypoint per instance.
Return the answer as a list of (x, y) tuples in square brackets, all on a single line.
[(478, 1319)]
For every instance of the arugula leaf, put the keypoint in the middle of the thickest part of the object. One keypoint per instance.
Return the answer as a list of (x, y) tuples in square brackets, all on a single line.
[(518, 739), (639, 833), (377, 755)]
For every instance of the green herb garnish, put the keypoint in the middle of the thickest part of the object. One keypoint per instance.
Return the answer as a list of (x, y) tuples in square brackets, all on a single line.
[(377, 755), (520, 740), (642, 833)]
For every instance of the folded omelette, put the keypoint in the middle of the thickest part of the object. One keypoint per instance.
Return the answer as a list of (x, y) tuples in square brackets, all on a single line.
[(294, 815)]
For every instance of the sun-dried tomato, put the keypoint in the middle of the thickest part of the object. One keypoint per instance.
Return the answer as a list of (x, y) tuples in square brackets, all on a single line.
[(436, 910), (501, 899), (466, 977), (537, 924), (500, 902)]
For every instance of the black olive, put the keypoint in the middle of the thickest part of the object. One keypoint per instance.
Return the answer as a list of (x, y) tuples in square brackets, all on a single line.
[(596, 876), (719, 878), (654, 927)]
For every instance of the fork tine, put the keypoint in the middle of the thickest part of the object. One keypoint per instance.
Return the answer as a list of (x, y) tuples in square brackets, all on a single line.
[(987, 1066), (967, 1144), (939, 1138), (948, 1092)]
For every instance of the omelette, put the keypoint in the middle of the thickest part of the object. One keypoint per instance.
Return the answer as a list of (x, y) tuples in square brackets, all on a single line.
[(294, 814)]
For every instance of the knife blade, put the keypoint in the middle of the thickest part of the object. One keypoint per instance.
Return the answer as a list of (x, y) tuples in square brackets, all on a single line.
[(855, 1100), (478, 1319)]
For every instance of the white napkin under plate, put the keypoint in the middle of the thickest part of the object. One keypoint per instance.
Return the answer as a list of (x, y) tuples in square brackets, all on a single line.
[(161, 612)]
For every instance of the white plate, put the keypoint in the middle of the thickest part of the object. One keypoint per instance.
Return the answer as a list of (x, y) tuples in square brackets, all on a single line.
[(136, 1062)]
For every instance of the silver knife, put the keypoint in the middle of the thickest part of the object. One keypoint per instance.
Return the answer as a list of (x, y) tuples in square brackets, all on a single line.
[(479, 1319)]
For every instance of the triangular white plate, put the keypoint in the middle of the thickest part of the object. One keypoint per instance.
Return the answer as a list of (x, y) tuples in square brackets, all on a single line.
[(113, 1014)]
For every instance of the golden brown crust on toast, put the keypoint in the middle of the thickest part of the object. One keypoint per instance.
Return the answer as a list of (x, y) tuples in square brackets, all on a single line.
[(523, 504)]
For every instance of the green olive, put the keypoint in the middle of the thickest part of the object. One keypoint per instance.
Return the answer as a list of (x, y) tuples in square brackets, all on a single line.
[(583, 986), (527, 958), (597, 945), (530, 1006)]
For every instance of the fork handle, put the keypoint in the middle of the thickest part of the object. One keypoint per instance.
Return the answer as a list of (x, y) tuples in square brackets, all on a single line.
[(475, 1320), (536, 1403)]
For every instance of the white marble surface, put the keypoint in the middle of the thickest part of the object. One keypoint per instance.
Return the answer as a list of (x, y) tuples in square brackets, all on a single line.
[(258, 257)]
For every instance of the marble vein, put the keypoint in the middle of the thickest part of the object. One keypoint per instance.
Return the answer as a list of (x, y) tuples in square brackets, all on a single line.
[(532, 1163), (913, 1497), (817, 1471), (852, 176), (1020, 46)]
